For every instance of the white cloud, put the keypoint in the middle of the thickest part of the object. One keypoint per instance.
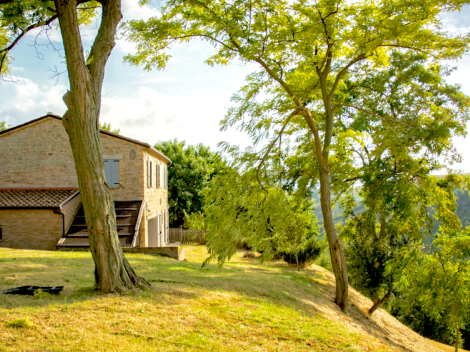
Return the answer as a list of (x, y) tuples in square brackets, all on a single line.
[(150, 116), (28, 101)]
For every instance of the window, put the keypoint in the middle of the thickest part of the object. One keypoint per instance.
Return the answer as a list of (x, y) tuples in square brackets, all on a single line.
[(111, 173)]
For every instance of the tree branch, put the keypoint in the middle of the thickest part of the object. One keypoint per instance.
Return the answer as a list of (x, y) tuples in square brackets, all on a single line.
[(263, 159), (23, 32)]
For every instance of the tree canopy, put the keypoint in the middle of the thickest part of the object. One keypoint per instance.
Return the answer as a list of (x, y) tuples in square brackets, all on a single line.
[(192, 168), (307, 52)]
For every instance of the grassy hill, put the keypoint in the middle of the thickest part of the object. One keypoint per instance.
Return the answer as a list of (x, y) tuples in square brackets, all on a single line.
[(245, 306)]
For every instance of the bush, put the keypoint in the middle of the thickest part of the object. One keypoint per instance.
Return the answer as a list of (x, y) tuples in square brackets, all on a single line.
[(20, 323), (243, 244), (308, 251)]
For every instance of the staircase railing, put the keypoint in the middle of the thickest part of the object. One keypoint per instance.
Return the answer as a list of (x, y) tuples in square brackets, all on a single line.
[(136, 238)]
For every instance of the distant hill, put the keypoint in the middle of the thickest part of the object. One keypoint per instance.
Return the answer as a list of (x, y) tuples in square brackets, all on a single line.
[(462, 197)]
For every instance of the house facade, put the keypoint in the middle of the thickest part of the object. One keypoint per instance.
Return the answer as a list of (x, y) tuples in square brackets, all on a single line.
[(40, 205)]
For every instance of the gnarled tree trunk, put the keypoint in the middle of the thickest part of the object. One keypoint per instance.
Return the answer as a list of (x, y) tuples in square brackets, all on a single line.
[(112, 271)]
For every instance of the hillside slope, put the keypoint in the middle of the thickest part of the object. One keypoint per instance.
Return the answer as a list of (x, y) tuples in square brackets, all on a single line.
[(245, 306)]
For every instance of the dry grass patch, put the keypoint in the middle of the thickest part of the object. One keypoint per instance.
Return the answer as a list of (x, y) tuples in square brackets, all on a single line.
[(244, 306)]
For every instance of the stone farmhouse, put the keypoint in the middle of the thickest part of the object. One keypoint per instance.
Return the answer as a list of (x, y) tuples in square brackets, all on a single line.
[(40, 205)]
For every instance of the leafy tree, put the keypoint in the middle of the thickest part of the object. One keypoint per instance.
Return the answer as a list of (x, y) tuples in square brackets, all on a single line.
[(190, 174), (81, 121), (4, 126), (438, 278), (407, 115), (268, 219), (107, 127), (307, 51)]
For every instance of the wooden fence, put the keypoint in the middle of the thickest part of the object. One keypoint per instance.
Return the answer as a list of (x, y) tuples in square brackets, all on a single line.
[(187, 235)]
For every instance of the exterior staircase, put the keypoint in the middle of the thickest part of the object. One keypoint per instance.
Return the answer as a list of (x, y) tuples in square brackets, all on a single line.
[(128, 218)]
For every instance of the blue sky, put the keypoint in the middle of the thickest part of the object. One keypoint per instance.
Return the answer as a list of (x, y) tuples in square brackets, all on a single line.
[(185, 101)]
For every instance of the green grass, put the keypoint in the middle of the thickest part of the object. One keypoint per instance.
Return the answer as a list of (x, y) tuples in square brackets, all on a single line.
[(244, 306)]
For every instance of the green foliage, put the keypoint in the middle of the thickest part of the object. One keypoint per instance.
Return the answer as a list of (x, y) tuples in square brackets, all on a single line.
[(18, 17), (405, 116), (437, 278), (313, 57), (306, 253), (269, 219), (190, 174), (107, 127), (20, 323), (4, 126)]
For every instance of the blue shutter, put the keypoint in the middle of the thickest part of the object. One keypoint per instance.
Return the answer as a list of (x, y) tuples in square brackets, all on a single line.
[(115, 174), (149, 173), (111, 173), (166, 176), (107, 171), (157, 172)]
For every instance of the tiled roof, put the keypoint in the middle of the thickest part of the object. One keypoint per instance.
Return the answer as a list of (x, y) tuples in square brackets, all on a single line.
[(34, 198)]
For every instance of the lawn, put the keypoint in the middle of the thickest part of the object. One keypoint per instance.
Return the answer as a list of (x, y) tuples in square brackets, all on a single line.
[(244, 306)]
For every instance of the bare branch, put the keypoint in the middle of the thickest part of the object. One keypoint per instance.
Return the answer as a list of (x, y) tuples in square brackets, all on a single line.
[(263, 159), (23, 32)]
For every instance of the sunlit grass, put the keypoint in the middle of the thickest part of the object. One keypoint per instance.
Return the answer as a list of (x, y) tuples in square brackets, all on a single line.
[(243, 306)]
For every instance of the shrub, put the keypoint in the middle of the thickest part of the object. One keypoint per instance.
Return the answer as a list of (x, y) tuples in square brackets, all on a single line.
[(20, 323), (307, 252)]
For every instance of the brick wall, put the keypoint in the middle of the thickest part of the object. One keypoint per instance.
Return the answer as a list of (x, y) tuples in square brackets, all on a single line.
[(30, 228)]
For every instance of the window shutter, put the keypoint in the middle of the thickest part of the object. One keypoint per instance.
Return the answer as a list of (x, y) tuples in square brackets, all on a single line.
[(166, 176), (114, 173), (149, 173), (107, 171), (158, 175)]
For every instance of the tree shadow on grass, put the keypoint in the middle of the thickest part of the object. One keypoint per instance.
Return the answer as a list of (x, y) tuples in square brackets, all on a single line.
[(174, 281)]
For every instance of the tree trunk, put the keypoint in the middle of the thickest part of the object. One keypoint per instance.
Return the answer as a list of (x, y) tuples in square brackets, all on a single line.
[(336, 248), (457, 338), (378, 302), (113, 273), (334, 244)]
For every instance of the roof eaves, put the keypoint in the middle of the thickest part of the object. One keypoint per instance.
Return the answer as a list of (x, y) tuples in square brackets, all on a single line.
[(111, 134), (29, 123)]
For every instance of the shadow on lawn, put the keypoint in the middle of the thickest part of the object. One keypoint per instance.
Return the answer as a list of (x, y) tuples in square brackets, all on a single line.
[(273, 283)]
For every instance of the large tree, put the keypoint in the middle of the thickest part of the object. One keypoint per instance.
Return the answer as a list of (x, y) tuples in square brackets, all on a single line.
[(306, 52), (81, 120), (405, 115)]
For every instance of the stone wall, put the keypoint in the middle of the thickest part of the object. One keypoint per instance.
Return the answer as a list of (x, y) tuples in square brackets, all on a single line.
[(156, 197), (175, 252), (30, 228), (39, 155)]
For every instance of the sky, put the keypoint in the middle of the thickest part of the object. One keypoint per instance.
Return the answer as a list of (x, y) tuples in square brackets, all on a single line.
[(185, 101)]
